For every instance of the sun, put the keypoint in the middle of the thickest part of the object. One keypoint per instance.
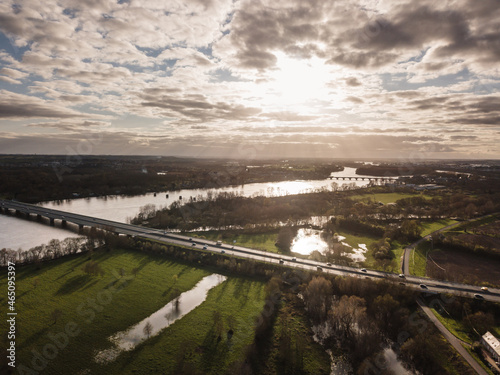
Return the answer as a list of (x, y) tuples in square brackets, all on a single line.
[(298, 81)]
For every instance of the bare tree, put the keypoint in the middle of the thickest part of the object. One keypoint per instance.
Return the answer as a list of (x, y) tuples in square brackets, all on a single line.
[(317, 297), (148, 329)]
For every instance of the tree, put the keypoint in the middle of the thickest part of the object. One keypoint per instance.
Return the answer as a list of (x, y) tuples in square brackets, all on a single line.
[(148, 329), (345, 314), (317, 297), (410, 230), (285, 238), (481, 322), (55, 247)]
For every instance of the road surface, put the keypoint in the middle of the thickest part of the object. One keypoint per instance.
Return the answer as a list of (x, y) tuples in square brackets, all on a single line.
[(456, 343), (424, 284)]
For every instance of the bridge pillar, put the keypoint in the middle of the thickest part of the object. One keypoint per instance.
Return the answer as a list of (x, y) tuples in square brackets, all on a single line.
[(51, 221), (80, 228), (63, 223), (38, 217)]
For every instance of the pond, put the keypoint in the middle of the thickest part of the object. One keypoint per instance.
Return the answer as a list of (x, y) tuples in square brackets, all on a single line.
[(166, 316), (308, 240)]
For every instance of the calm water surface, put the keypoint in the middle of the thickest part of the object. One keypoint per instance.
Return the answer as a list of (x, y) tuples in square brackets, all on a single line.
[(167, 315), (17, 233)]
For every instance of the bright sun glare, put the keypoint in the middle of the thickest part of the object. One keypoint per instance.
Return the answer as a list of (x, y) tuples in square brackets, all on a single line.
[(297, 81)]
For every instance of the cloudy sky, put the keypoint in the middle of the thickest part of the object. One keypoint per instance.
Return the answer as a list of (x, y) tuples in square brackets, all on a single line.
[(251, 78)]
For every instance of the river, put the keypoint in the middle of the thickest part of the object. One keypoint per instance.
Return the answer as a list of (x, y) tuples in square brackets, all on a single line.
[(23, 234)]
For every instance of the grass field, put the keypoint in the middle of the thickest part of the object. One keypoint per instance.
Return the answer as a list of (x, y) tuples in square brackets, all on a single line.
[(456, 328), (429, 227), (386, 197), (418, 260), (260, 241), (95, 307)]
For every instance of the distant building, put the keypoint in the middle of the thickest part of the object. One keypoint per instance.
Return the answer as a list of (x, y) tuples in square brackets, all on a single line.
[(491, 344)]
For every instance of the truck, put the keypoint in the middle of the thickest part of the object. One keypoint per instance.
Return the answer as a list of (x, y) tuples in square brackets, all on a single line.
[(219, 243)]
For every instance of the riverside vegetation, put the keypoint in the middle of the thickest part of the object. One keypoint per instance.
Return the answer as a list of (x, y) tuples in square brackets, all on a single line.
[(270, 325)]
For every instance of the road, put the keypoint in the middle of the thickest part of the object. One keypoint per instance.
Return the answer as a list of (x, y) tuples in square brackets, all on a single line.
[(424, 284), (405, 266), (456, 343)]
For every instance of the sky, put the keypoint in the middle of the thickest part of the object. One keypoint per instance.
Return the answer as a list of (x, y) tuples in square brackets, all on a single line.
[(363, 79)]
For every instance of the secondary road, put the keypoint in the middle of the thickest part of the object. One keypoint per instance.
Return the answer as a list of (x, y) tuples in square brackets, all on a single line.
[(427, 285), (405, 266), (452, 339)]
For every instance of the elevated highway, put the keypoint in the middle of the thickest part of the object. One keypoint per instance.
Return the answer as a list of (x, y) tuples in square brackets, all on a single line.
[(423, 284)]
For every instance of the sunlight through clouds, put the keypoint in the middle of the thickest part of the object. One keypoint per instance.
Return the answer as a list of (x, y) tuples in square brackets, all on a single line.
[(350, 68)]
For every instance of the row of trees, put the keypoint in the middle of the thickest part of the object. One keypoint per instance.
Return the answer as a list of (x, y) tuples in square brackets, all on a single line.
[(52, 250)]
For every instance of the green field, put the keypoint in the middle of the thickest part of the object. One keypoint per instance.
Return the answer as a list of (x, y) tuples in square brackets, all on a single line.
[(418, 259), (92, 308), (260, 241), (455, 327), (386, 197), (429, 227)]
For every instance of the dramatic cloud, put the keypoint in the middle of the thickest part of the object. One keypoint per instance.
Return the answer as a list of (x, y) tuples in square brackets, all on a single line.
[(252, 78)]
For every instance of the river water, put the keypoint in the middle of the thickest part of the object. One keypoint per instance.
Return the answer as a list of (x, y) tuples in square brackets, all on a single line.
[(167, 315), (23, 234)]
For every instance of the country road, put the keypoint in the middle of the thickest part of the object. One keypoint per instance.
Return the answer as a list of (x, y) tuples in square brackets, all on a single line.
[(456, 343), (405, 264)]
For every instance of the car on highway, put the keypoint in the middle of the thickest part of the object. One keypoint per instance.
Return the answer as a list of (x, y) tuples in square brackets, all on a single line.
[(401, 276), (423, 286), (318, 268), (190, 238), (363, 269), (193, 244), (484, 289), (205, 247), (478, 296), (222, 252), (329, 264), (219, 243), (282, 261), (294, 259)]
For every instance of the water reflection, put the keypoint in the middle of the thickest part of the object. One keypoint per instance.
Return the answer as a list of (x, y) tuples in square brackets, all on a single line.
[(394, 364), (357, 254), (307, 241), (167, 315), (122, 208)]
